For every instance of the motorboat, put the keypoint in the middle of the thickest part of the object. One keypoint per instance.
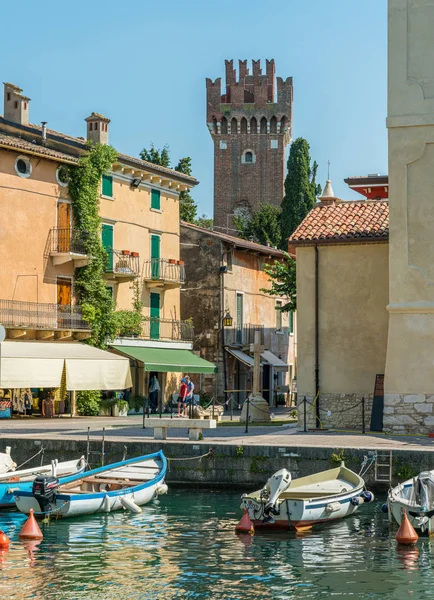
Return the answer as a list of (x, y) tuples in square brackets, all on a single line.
[(22, 480), (306, 501), (128, 485), (416, 497)]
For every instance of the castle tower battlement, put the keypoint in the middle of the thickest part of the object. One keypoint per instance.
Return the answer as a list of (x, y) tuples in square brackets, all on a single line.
[(250, 123)]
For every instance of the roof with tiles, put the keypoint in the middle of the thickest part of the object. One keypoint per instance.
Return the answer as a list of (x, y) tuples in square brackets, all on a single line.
[(76, 143), (352, 221), (236, 241)]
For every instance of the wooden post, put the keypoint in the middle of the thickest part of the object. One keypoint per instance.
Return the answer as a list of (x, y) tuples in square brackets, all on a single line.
[(73, 403)]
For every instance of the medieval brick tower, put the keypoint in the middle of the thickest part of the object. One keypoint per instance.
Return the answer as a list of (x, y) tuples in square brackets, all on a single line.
[(250, 128)]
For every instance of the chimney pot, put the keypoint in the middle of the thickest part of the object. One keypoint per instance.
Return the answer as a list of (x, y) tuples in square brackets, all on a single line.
[(44, 132), (16, 105), (97, 128)]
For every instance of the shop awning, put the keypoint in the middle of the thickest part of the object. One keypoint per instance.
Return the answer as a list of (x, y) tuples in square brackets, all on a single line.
[(167, 360), (41, 364), (241, 356), (274, 360)]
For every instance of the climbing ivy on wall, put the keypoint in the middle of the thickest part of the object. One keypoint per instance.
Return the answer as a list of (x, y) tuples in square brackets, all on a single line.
[(84, 190)]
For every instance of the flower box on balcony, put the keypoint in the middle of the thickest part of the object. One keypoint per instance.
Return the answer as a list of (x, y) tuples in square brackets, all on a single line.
[(126, 252), (134, 254), (180, 262), (172, 261)]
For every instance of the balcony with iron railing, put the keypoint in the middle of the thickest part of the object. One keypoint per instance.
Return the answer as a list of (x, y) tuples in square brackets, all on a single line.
[(162, 271), (66, 244), (165, 329), (122, 264), (244, 335), (36, 316)]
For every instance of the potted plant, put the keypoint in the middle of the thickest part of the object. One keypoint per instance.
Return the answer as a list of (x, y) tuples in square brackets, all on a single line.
[(126, 252), (172, 261), (134, 254), (105, 407), (180, 262), (120, 408)]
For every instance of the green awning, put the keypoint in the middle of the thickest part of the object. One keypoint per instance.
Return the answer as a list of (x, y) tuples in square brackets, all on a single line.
[(165, 360)]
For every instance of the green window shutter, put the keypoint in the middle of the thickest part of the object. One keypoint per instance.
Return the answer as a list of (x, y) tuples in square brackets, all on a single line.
[(155, 199), (107, 186), (155, 256), (291, 321), (155, 316), (107, 242)]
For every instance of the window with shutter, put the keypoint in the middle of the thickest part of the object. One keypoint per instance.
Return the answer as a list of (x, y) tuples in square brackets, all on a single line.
[(107, 186), (291, 321), (155, 199)]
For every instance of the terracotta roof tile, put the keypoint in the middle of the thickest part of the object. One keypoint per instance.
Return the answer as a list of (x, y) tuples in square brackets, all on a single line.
[(10, 141), (345, 221)]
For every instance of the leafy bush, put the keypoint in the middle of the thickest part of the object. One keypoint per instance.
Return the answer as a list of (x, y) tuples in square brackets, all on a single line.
[(128, 323), (88, 403)]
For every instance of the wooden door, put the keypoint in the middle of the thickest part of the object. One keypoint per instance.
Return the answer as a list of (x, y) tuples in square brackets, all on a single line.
[(63, 227), (155, 316), (64, 300), (155, 256)]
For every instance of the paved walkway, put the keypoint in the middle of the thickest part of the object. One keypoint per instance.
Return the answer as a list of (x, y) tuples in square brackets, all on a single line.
[(130, 429)]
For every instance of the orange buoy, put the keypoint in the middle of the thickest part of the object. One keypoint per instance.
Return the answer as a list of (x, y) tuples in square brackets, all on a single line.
[(406, 534), (4, 541), (245, 525), (31, 530)]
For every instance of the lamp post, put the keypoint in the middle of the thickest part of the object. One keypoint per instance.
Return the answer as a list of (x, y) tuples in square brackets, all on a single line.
[(227, 321)]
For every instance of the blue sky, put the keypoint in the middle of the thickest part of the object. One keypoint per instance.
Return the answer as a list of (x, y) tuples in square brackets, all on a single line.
[(144, 64)]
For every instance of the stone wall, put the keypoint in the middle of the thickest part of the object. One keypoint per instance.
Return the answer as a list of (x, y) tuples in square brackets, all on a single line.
[(410, 413), (345, 411)]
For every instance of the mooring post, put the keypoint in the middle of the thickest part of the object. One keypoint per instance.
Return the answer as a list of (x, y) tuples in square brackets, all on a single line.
[(213, 405), (305, 423), (363, 415), (87, 447), (247, 414)]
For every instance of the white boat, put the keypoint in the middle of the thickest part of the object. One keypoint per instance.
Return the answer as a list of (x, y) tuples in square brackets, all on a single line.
[(416, 496), (128, 484), (306, 501), (6, 462), (22, 480)]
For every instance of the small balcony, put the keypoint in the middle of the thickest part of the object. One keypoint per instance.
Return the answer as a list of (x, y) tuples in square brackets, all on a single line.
[(160, 271), (35, 320), (244, 335), (67, 244), (166, 330), (122, 264)]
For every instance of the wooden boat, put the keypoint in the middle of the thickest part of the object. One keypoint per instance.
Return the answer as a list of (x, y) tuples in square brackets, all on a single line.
[(128, 484), (304, 502), (22, 480), (416, 496)]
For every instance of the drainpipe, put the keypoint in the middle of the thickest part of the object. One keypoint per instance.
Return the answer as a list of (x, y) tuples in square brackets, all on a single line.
[(317, 419)]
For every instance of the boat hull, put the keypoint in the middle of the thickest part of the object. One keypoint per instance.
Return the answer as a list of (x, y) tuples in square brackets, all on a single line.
[(103, 501), (303, 514), (25, 478)]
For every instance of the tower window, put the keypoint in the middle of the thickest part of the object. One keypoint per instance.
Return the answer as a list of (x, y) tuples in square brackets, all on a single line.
[(224, 125), (25, 105), (234, 126), (248, 157), (90, 126), (274, 144), (8, 96), (223, 145), (15, 104), (96, 126)]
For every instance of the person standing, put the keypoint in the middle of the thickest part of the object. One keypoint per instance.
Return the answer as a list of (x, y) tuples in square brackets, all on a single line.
[(154, 388), (182, 398)]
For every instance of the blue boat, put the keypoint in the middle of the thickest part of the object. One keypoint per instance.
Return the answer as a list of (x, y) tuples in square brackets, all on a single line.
[(128, 485), (22, 480)]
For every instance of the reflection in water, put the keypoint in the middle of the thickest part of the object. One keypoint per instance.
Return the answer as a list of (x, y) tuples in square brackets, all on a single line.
[(184, 546)]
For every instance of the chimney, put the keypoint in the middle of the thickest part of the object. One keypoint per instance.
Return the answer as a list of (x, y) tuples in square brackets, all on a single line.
[(16, 106), (44, 132), (97, 128), (328, 196)]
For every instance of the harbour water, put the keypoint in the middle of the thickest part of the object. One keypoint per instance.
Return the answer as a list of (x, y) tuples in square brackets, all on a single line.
[(183, 546)]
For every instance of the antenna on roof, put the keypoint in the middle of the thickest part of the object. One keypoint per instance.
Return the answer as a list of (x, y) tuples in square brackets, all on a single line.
[(328, 169)]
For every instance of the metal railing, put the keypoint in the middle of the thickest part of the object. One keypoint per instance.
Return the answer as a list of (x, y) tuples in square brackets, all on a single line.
[(63, 240), (35, 315), (166, 329), (161, 269), (245, 335), (123, 264)]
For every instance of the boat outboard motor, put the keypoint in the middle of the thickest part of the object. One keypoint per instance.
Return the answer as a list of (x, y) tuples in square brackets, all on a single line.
[(276, 485), (44, 491)]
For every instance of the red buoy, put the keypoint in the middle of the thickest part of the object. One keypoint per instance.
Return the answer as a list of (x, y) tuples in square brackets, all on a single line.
[(245, 525), (4, 541), (406, 534), (31, 530)]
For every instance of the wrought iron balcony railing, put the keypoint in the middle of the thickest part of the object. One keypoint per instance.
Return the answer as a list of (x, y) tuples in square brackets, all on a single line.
[(35, 315), (244, 335), (123, 263), (163, 270), (166, 329), (66, 240)]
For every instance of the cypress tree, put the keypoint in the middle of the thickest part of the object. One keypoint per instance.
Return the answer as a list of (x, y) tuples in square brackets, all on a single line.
[(187, 206), (301, 188)]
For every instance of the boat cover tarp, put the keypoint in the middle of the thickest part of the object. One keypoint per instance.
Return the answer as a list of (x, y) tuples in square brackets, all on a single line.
[(40, 364), (167, 360)]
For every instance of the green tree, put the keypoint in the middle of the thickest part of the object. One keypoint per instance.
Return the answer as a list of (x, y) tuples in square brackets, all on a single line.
[(187, 206), (283, 283), (156, 156), (301, 188), (204, 221), (261, 226)]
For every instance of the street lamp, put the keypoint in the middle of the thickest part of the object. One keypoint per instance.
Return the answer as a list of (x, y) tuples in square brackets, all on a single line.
[(227, 320)]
